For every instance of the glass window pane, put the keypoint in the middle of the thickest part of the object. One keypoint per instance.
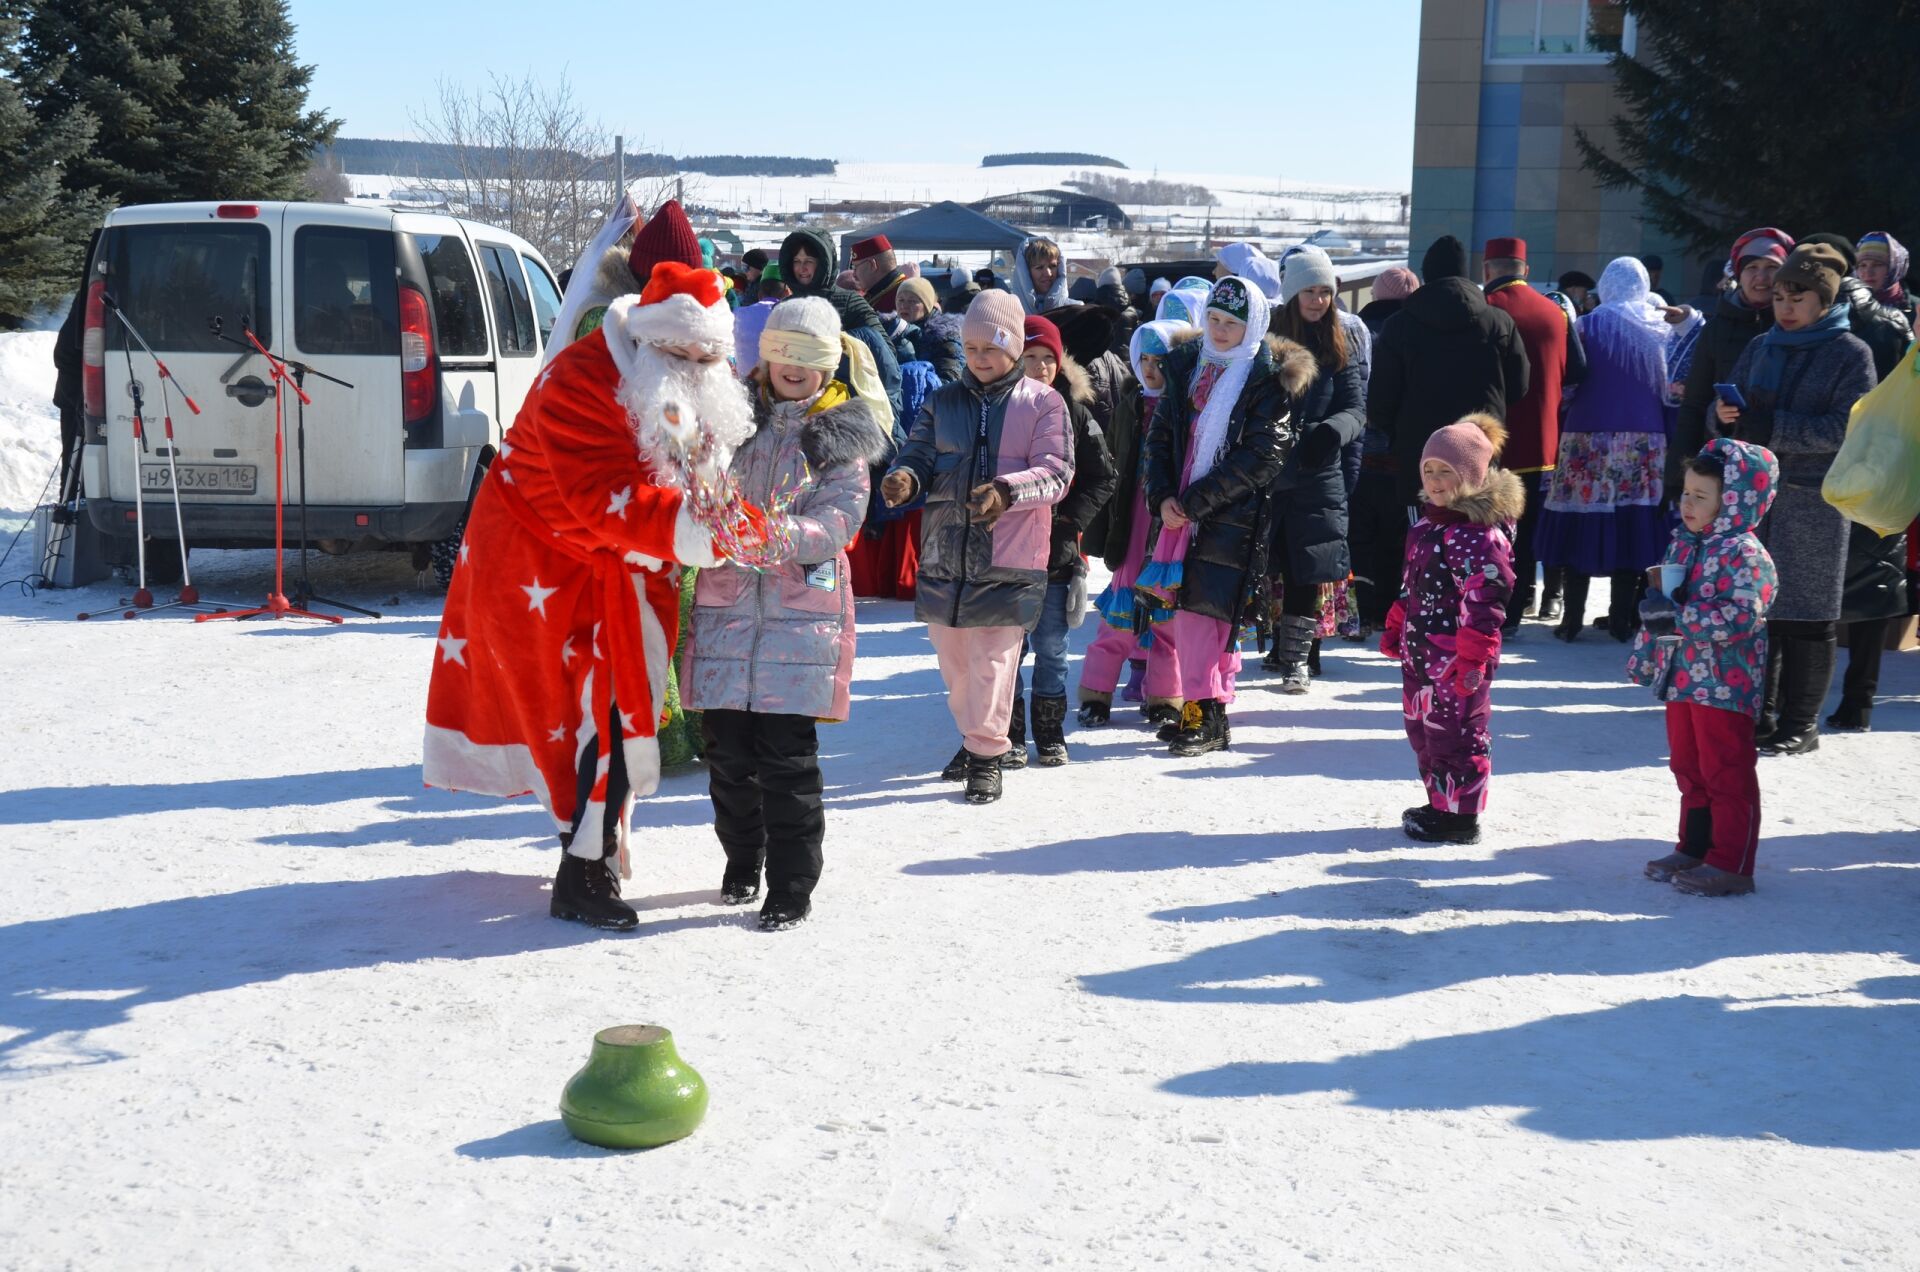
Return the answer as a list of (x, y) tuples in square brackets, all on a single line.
[(1563, 27), (1606, 26), (546, 299), (512, 311), (1514, 28), (173, 280), (345, 301), (459, 320)]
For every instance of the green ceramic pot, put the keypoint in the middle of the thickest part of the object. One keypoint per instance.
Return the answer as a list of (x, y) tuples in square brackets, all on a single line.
[(635, 1091)]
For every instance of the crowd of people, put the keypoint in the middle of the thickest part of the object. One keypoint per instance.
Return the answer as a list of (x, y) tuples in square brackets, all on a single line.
[(1252, 463)]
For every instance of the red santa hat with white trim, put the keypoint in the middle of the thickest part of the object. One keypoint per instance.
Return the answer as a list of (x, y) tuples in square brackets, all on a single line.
[(682, 305)]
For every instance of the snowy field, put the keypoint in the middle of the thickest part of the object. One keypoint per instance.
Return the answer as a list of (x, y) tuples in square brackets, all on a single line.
[(1238, 196), (266, 1001)]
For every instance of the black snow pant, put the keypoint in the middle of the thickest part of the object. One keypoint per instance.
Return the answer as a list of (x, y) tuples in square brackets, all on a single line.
[(1866, 645), (618, 787), (763, 771), (1377, 536), (1525, 561)]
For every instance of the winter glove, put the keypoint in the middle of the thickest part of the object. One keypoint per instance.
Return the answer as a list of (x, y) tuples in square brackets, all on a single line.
[(1315, 447), (989, 501), (1659, 615), (1390, 634), (1464, 678), (897, 487), (1077, 597)]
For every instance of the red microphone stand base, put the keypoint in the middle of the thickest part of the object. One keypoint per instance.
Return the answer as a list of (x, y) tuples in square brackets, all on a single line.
[(277, 606)]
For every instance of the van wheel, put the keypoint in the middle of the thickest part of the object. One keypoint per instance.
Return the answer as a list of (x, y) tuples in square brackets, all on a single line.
[(446, 554), (163, 561)]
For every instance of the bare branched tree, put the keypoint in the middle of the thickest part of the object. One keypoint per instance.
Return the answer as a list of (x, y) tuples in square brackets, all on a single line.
[(528, 158), (326, 181)]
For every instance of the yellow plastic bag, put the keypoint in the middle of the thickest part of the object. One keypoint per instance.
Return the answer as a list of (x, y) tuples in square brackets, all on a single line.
[(1875, 479)]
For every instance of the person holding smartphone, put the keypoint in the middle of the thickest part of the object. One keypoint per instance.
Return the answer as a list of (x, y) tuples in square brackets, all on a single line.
[(1798, 382)]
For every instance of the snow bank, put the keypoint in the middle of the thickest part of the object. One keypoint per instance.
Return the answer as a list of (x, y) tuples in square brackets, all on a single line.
[(29, 426)]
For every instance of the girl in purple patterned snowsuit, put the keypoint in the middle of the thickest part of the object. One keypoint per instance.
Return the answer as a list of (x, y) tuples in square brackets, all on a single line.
[(1445, 628)]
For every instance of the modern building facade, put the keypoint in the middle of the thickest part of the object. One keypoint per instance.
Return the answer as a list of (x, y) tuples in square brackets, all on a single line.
[(1503, 87)]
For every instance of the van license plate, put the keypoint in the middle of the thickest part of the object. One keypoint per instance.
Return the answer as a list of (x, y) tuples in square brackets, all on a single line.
[(201, 479)]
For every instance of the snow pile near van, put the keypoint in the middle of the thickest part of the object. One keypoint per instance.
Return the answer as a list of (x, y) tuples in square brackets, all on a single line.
[(29, 426)]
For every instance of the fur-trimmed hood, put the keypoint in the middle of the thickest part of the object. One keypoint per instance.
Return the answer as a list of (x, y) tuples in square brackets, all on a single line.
[(1499, 502), (1073, 383), (856, 430), (1291, 362)]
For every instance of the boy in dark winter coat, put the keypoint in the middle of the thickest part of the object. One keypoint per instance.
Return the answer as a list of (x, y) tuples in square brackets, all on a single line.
[(1066, 604), (1702, 647), (1445, 629)]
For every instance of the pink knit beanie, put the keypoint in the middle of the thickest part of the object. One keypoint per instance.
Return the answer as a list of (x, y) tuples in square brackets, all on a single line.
[(1468, 447), (996, 316), (1396, 282)]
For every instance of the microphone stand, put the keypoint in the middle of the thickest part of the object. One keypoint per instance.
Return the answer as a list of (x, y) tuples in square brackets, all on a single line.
[(277, 604), (189, 597)]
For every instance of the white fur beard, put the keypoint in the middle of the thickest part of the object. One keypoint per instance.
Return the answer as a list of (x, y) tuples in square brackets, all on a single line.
[(706, 395)]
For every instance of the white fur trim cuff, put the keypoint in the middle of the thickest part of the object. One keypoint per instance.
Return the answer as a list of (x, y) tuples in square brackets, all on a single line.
[(692, 545), (676, 320)]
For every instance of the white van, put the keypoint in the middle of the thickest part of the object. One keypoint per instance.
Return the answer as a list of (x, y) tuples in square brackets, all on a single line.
[(438, 323)]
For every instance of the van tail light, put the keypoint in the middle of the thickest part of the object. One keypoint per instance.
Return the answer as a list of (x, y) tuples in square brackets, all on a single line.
[(237, 211), (419, 378), (93, 351)]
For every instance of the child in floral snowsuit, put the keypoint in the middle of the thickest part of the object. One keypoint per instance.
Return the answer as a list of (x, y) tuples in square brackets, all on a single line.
[(1445, 628), (1703, 650)]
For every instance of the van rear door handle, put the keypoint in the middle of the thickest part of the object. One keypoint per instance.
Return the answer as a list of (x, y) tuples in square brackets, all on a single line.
[(251, 391)]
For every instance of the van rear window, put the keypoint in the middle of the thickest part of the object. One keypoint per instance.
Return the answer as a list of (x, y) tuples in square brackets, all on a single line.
[(345, 301), (459, 315), (172, 280)]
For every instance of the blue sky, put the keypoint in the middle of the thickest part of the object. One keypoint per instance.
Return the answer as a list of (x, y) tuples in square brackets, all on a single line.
[(1298, 90)]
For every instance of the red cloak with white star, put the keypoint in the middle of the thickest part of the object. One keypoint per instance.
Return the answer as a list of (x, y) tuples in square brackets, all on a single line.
[(565, 602)]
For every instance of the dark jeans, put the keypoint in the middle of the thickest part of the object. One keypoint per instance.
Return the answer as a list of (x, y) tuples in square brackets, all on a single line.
[(1377, 534), (617, 788), (1525, 562), (763, 771)]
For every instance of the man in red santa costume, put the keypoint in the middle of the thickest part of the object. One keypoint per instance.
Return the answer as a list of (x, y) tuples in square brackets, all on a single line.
[(551, 671)]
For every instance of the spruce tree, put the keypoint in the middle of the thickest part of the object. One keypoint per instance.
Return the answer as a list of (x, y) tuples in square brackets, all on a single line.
[(43, 224), (1741, 113), (196, 99)]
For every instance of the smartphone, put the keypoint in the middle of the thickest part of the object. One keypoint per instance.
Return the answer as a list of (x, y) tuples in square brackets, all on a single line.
[(1731, 395)]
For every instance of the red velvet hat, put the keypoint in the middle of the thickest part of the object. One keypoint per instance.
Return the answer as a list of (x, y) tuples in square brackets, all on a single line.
[(668, 236), (870, 247), (1503, 249)]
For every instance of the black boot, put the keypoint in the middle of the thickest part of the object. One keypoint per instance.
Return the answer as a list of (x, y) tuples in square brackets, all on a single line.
[(1292, 642), (1850, 719), (783, 910), (956, 770), (1095, 714), (1049, 731), (738, 891), (983, 778), (1313, 659), (1623, 612), (1517, 606), (1430, 825), (1808, 676), (589, 892), (1016, 756), (1207, 732), (1573, 616), (1167, 717)]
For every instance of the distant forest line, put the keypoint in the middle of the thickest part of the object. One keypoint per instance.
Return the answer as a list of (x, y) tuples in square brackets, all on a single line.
[(1050, 157), (435, 162)]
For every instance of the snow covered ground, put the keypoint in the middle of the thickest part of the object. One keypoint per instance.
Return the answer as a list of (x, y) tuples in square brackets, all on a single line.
[(266, 1001), (29, 428)]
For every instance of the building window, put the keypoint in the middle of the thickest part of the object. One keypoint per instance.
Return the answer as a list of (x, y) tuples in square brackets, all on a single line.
[(1557, 30)]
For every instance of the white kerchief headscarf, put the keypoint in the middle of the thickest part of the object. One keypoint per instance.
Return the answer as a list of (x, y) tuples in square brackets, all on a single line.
[(1626, 320), (1210, 431)]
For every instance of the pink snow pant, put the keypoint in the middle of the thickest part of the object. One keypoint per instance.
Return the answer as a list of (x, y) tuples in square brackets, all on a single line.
[(979, 665), (1189, 660), (1109, 652), (1713, 759), (1451, 741)]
